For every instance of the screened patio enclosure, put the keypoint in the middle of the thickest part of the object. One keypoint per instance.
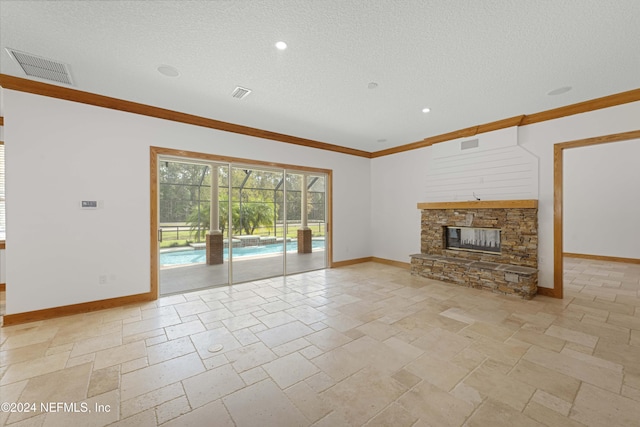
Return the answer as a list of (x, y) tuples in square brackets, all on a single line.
[(222, 223)]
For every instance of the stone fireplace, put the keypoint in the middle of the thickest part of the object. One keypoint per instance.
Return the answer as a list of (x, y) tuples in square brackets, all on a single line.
[(481, 244)]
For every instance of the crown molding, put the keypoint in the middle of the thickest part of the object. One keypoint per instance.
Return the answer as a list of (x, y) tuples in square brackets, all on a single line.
[(54, 91)]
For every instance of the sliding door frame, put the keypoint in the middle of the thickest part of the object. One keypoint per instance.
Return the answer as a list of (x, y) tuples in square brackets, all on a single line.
[(157, 152)]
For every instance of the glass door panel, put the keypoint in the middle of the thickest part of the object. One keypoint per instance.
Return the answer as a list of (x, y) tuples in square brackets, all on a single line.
[(306, 221), (191, 251), (257, 250)]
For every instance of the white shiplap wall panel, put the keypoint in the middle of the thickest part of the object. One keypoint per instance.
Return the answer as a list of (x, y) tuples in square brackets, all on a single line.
[(498, 169)]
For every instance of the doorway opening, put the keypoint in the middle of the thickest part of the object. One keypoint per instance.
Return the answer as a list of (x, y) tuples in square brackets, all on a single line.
[(558, 229)]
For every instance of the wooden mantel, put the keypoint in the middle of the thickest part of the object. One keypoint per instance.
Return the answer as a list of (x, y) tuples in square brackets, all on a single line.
[(481, 204)]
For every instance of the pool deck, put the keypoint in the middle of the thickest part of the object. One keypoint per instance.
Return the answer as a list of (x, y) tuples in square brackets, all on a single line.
[(187, 278)]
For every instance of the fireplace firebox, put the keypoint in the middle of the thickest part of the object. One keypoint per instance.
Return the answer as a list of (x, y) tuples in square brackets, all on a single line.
[(473, 239)]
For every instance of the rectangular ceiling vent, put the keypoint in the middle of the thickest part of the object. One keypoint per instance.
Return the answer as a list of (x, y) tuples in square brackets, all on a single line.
[(240, 92), (472, 143), (42, 68)]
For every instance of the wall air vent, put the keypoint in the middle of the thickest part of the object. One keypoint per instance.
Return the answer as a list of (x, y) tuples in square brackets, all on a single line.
[(472, 143), (42, 68), (240, 92)]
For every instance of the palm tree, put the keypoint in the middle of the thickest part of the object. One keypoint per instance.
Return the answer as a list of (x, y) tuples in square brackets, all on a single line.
[(199, 221)]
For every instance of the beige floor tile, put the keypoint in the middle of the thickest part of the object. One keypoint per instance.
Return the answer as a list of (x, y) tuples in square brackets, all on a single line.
[(109, 412), (290, 369), (28, 337), (440, 373), (327, 339), (143, 419), (215, 315), (573, 336), (489, 380), (277, 318), (378, 330), (342, 322), (602, 377), (104, 380), (320, 382), (162, 374), (308, 401), (508, 353), (23, 354), (435, 406), (203, 416), (151, 399), (263, 404), (151, 324), (597, 407), (68, 385), (445, 343), (339, 363), (282, 334), (548, 417), (203, 341), (169, 349), (172, 409), (552, 402), (364, 394), (393, 415), (495, 332), (184, 329), (212, 385), (120, 354), (250, 356), (544, 378), (33, 368), (91, 345), (496, 414), (254, 375), (11, 394), (540, 339), (366, 327)]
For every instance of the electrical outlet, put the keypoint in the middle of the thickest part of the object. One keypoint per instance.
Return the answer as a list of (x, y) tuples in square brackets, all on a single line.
[(102, 279)]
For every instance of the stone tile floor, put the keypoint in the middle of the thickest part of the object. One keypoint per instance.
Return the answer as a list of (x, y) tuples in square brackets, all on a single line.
[(360, 345)]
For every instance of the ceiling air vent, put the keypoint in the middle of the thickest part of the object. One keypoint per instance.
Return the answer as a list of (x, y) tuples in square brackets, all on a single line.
[(240, 92), (42, 68), (472, 143)]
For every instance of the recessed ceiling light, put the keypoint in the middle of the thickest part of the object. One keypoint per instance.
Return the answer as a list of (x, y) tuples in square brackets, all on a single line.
[(559, 91), (168, 71), (426, 110), (281, 45), (372, 85)]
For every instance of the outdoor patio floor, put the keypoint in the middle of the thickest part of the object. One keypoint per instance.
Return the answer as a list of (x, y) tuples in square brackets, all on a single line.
[(178, 279)]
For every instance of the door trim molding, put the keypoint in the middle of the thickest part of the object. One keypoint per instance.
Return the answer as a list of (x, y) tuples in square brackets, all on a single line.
[(558, 248), (154, 202)]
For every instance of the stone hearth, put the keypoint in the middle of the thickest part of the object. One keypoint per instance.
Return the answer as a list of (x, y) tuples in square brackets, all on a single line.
[(513, 271)]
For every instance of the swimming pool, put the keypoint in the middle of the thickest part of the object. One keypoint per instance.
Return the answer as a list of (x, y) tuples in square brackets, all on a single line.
[(198, 256)]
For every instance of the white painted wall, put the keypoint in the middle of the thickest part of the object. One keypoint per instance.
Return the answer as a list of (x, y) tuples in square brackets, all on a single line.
[(63, 152), (497, 169), (399, 181), (602, 199)]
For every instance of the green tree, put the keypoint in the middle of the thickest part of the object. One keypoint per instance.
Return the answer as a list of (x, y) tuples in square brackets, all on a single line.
[(199, 223)]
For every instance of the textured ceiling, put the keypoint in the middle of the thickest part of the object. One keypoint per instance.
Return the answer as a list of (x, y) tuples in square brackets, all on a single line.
[(471, 62)]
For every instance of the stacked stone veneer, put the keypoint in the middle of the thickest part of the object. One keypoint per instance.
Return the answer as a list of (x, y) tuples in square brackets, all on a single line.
[(513, 272)]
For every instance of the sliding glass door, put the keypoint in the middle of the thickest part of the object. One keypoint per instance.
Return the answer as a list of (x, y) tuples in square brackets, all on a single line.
[(305, 222), (192, 253), (222, 223), (257, 247)]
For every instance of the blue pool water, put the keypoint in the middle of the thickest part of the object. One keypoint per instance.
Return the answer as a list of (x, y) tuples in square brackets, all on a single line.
[(198, 256)]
